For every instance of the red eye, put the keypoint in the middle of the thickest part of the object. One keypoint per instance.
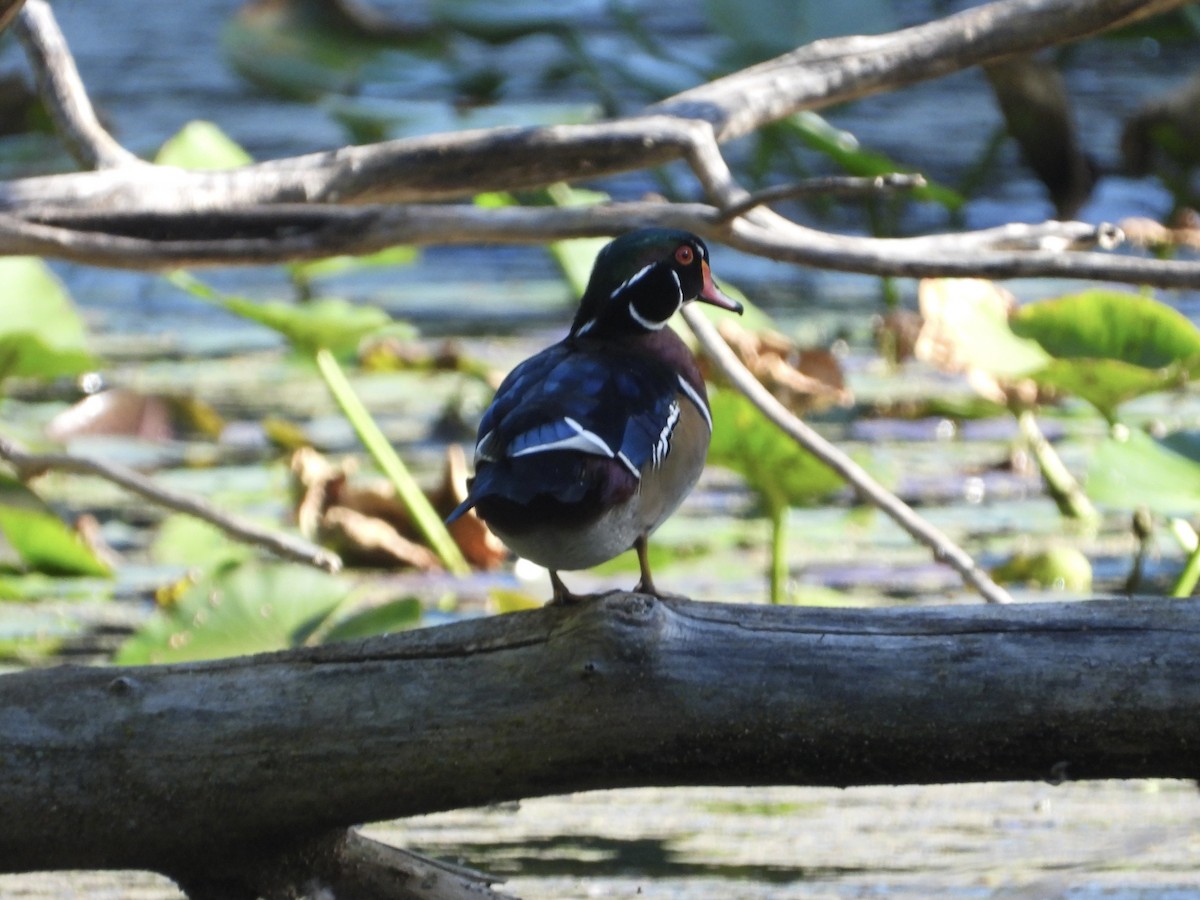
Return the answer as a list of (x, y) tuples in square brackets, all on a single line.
[(684, 255)]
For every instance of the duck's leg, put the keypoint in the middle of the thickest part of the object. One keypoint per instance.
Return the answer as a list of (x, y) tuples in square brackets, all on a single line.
[(646, 584), (562, 596)]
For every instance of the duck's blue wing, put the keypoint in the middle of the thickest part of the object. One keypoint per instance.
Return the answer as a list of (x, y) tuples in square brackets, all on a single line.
[(560, 408)]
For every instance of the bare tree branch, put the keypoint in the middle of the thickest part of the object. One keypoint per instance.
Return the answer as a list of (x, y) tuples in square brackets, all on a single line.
[(257, 235), (63, 92), (827, 186), (285, 545), (836, 70)]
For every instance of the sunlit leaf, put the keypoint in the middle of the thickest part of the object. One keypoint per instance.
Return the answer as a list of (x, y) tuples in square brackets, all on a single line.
[(333, 265), (503, 600), (41, 335), (774, 466), (188, 541), (1109, 346), (1057, 568), (1131, 469), (202, 145), (1103, 324), (966, 329), (328, 323), (41, 539), (397, 615), (237, 609)]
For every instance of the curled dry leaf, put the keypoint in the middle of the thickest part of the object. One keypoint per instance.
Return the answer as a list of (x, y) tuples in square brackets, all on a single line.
[(128, 413), (372, 541), (1152, 235), (369, 526), (965, 331), (114, 412), (896, 334), (366, 525), (481, 548), (801, 379)]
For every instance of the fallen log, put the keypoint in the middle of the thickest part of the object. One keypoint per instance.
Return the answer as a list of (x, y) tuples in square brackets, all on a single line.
[(217, 772)]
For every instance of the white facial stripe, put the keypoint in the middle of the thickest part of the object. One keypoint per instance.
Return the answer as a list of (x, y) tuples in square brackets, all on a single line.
[(678, 284), (641, 273), (696, 399), (648, 324), (583, 440)]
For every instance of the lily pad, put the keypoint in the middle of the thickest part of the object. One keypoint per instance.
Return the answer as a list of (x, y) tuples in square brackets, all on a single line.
[(202, 145), (42, 541), (239, 608), (41, 335), (775, 467), (397, 615), (307, 270), (1057, 568), (1131, 469), (328, 323), (1108, 346), (187, 541)]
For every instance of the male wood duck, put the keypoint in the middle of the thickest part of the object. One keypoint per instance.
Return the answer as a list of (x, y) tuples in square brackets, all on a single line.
[(591, 444)]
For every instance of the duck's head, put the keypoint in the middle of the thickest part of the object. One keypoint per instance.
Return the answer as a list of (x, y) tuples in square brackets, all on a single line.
[(641, 279)]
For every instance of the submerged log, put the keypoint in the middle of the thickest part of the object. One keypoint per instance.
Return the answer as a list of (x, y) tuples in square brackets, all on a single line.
[(210, 771)]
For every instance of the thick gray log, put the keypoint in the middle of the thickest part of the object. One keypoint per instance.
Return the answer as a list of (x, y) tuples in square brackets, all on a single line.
[(186, 768)]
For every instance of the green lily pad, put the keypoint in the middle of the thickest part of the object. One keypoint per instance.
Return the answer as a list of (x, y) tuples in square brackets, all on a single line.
[(41, 335), (1058, 568), (239, 608), (187, 541), (335, 265), (397, 615), (328, 323), (1108, 346), (1131, 469), (774, 466), (202, 145), (42, 541)]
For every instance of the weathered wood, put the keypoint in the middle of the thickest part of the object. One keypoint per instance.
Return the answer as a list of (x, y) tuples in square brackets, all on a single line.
[(187, 768)]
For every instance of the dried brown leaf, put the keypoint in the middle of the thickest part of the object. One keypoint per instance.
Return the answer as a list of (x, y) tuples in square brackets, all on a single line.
[(803, 379)]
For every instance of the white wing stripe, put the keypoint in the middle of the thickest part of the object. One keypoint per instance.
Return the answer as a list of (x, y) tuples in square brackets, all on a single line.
[(696, 399), (629, 465), (582, 439)]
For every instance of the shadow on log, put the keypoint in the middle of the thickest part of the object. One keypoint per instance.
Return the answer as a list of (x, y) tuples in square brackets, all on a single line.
[(215, 772)]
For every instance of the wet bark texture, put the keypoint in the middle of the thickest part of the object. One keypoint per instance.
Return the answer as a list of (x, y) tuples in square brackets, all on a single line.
[(214, 773)]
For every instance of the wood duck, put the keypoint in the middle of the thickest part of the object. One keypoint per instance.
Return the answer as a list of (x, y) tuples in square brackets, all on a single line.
[(591, 444)]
